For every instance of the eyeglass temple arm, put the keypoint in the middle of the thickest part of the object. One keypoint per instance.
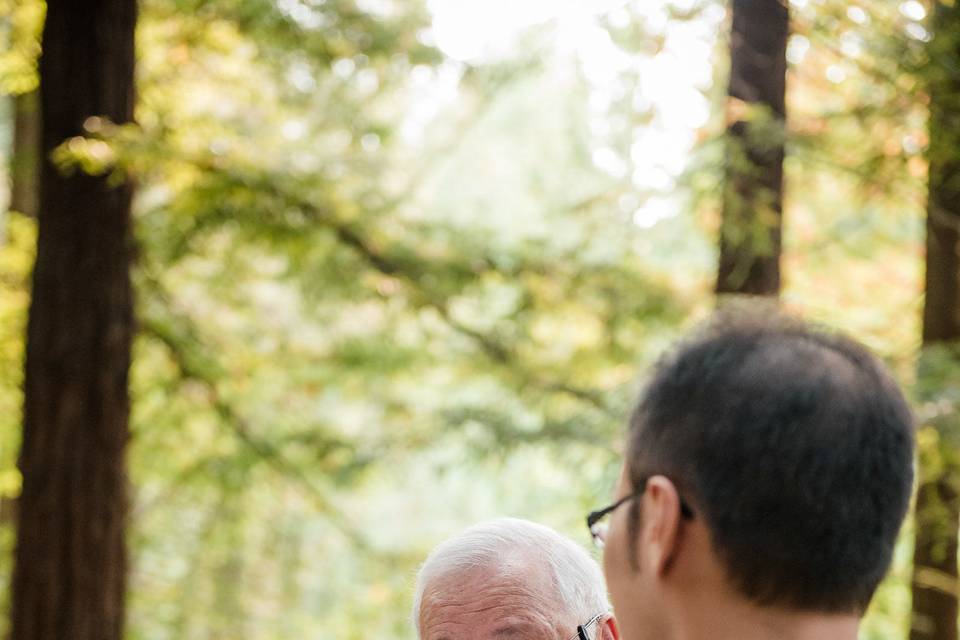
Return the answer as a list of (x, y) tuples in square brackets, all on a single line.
[(582, 628)]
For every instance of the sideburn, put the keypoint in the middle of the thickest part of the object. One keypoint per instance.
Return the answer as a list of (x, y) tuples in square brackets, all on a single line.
[(634, 523)]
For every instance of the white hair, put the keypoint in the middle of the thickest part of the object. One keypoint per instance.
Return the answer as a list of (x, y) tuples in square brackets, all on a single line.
[(576, 576)]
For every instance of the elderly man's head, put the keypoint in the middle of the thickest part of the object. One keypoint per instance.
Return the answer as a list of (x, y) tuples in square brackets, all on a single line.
[(511, 578)]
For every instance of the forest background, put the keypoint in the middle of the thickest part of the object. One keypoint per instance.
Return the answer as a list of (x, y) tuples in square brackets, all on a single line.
[(400, 267)]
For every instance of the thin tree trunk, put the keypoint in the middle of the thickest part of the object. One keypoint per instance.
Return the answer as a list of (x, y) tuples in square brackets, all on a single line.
[(70, 571), (750, 230), (935, 582), (934, 614), (24, 162)]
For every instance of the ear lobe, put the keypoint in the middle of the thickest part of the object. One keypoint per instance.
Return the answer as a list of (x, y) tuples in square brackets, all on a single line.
[(609, 630), (661, 516)]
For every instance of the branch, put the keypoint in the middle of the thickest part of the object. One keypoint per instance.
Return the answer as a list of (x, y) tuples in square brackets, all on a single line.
[(240, 428), (411, 274)]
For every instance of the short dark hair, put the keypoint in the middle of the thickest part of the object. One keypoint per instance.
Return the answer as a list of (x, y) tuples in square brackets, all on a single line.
[(794, 444)]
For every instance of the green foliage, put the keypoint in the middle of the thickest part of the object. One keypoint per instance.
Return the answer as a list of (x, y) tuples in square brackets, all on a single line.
[(17, 250), (20, 24), (321, 301)]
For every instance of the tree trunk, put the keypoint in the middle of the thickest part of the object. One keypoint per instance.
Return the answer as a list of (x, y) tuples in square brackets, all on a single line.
[(70, 571), (934, 589), (750, 229), (24, 161), (935, 582)]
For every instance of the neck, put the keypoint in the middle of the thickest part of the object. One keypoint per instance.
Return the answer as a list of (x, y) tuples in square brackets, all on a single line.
[(708, 607), (743, 621)]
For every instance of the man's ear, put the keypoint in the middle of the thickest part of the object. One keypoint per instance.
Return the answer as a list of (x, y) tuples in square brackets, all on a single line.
[(661, 521), (608, 629)]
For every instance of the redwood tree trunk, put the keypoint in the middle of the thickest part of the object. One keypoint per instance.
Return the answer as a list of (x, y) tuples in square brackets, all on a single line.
[(935, 582), (750, 230), (70, 570)]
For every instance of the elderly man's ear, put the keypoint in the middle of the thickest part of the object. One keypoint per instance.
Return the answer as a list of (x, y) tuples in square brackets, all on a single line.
[(608, 629)]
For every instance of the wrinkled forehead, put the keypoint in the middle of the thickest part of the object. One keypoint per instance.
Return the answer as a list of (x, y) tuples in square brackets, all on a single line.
[(510, 577), (513, 599)]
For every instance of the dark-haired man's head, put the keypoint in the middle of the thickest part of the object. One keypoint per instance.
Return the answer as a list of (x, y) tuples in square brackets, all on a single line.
[(772, 465)]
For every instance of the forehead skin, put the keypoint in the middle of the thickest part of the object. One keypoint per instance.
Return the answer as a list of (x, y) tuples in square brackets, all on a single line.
[(513, 601)]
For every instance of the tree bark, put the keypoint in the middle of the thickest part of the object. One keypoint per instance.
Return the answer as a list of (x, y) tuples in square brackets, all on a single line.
[(934, 588), (750, 229), (935, 581), (25, 159), (70, 571)]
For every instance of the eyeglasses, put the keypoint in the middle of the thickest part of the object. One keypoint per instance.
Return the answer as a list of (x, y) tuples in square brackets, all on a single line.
[(582, 629), (598, 530)]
